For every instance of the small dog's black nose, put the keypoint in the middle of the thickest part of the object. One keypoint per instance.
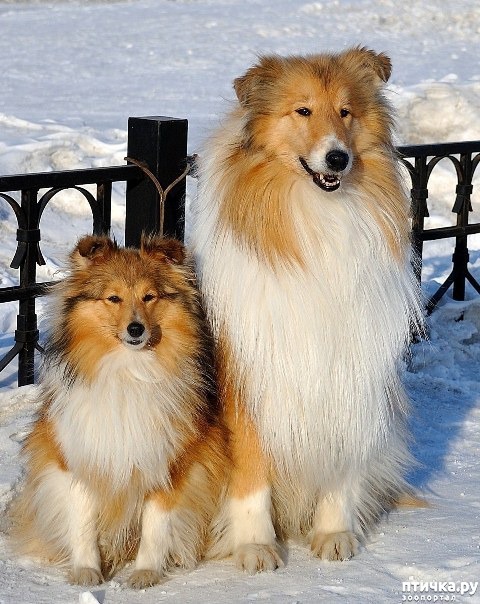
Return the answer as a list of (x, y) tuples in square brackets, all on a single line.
[(337, 160), (135, 329)]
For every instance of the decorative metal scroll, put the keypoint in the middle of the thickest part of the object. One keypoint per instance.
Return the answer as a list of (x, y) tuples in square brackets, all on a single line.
[(465, 158), (28, 213)]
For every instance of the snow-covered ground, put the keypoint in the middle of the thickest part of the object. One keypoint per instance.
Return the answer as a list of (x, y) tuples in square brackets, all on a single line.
[(72, 74)]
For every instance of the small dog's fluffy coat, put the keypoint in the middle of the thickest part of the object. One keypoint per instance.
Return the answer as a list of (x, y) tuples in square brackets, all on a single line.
[(301, 238), (126, 458)]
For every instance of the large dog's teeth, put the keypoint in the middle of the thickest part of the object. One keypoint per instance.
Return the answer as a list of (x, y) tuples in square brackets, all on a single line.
[(329, 180), (326, 181)]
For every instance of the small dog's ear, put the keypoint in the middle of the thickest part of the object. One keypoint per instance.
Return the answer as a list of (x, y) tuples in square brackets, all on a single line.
[(92, 249), (243, 85), (378, 63), (170, 251), (256, 79)]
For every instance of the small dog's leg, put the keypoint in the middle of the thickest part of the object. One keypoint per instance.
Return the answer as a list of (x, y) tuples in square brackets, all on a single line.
[(82, 536), (333, 536), (155, 546)]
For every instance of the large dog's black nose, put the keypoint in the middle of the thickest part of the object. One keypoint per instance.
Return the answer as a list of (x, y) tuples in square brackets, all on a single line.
[(135, 329), (337, 160)]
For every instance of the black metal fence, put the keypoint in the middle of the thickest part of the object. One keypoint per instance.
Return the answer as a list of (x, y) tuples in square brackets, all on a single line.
[(465, 158), (160, 143)]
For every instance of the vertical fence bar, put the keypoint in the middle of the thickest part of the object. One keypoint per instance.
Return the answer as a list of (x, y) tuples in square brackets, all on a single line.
[(462, 207), (419, 195), (26, 333), (161, 143), (104, 198)]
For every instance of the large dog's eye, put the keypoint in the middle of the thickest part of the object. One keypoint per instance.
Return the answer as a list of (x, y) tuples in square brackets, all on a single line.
[(305, 111), (148, 297), (114, 299), (344, 112)]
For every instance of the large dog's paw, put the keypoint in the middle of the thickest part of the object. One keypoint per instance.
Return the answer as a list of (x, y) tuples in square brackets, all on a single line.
[(254, 558), (86, 576), (140, 579), (335, 546)]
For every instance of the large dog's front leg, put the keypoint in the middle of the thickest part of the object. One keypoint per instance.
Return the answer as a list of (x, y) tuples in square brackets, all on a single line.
[(254, 541), (333, 536)]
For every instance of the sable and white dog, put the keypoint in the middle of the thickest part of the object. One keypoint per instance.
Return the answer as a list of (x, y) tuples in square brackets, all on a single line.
[(126, 459), (301, 241)]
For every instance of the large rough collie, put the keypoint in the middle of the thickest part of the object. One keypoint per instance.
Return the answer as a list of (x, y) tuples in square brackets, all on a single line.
[(301, 239), (126, 458)]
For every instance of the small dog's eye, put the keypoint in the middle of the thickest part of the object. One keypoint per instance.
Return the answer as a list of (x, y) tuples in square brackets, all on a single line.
[(148, 297), (344, 112), (305, 111), (114, 299)]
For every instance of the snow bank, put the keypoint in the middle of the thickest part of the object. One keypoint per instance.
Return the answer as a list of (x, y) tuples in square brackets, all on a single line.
[(73, 72)]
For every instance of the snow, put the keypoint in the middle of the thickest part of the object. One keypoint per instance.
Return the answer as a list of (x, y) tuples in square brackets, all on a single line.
[(73, 72)]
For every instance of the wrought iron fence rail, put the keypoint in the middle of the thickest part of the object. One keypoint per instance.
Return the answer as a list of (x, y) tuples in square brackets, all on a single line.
[(16, 292), (68, 178), (439, 149), (449, 231)]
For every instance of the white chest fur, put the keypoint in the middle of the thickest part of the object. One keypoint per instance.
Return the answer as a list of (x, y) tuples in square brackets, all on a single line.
[(123, 422), (317, 347)]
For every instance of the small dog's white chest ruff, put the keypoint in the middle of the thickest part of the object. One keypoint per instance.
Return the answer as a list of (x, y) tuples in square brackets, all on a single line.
[(121, 423)]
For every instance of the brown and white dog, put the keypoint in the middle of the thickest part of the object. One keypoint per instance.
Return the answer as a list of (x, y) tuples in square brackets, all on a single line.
[(126, 459), (301, 241)]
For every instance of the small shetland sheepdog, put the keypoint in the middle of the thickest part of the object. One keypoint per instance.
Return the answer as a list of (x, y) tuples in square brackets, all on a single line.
[(126, 458), (301, 240)]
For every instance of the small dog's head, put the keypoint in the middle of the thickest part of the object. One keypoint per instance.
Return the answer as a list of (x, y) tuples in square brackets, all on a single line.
[(125, 298), (128, 291), (316, 113)]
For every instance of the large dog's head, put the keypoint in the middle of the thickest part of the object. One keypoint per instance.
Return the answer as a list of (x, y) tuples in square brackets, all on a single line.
[(316, 113)]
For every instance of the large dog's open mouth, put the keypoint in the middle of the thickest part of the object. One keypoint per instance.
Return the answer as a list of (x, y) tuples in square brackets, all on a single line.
[(327, 182)]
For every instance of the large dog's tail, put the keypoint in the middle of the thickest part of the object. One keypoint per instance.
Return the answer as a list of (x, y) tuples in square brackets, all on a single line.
[(410, 500)]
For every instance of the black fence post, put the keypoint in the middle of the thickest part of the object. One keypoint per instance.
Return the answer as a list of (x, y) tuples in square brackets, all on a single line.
[(26, 334), (161, 143)]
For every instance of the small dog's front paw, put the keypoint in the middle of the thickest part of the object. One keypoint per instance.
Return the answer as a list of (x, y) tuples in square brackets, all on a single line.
[(335, 546), (86, 576), (140, 579), (254, 558)]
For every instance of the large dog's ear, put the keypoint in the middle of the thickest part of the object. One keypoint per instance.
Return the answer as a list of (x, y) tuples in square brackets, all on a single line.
[(257, 79), (378, 64), (170, 251), (92, 249)]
